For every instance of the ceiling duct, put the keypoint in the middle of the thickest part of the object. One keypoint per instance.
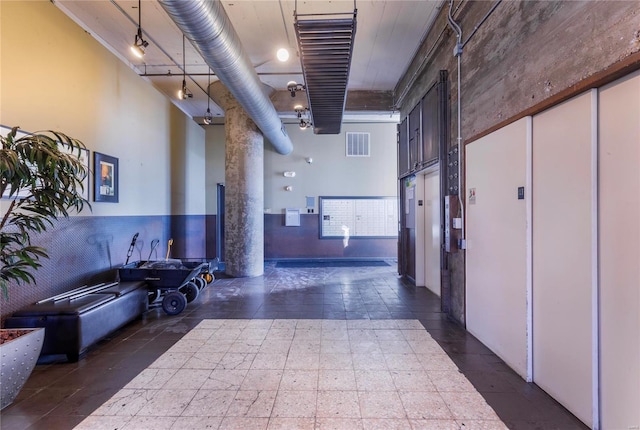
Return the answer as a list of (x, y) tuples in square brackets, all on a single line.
[(207, 26), (326, 47)]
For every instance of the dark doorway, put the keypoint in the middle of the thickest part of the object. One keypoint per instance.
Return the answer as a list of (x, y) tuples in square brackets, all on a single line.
[(220, 224)]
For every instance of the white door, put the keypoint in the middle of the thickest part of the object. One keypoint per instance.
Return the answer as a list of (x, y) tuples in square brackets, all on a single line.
[(562, 254)]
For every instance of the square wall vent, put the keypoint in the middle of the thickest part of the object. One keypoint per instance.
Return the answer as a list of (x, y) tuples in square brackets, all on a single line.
[(358, 144)]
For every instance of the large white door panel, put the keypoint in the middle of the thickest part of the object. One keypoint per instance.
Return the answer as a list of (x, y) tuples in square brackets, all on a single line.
[(562, 254), (619, 235), (496, 260)]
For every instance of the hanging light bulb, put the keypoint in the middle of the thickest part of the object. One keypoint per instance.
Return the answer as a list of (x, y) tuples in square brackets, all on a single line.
[(184, 92), (208, 118)]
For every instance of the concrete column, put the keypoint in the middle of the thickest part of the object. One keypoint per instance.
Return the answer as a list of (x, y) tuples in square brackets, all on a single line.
[(244, 188)]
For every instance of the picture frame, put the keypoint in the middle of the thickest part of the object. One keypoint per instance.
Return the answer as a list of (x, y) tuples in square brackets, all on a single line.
[(105, 178), (82, 154), (4, 131)]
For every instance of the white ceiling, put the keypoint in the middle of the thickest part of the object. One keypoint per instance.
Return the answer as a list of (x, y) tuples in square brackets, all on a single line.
[(388, 34)]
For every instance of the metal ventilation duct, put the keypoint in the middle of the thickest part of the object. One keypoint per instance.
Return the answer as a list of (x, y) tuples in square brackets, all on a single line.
[(207, 26), (326, 46)]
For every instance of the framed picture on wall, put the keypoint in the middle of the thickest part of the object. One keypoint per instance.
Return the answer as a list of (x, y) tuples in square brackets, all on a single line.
[(105, 178), (81, 154), (4, 131)]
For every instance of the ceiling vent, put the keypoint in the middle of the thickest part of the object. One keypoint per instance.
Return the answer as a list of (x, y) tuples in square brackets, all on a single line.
[(358, 144), (326, 47)]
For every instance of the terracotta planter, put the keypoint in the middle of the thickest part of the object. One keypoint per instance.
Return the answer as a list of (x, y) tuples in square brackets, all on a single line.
[(18, 357)]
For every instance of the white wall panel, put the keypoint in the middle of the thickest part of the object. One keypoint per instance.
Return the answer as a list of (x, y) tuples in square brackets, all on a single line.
[(619, 226), (496, 263), (562, 261)]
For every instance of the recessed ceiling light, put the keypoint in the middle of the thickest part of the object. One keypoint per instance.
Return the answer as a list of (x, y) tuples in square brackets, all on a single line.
[(282, 54)]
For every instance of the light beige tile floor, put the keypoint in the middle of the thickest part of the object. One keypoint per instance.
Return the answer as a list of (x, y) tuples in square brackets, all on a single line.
[(299, 374)]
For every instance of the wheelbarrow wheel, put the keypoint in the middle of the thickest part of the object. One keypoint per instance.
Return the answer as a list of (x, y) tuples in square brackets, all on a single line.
[(190, 291), (174, 303), (208, 277), (200, 283)]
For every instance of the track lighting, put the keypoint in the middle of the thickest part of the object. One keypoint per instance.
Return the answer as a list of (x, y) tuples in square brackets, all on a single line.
[(300, 110), (293, 86), (184, 92), (139, 44), (208, 118), (304, 123)]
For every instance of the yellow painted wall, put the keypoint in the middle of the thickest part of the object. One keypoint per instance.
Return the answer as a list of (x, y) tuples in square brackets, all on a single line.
[(54, 75)]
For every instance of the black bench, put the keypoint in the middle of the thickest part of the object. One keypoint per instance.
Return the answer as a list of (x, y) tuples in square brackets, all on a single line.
[(78, 320)]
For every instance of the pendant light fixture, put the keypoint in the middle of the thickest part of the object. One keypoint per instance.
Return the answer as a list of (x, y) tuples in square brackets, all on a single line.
[(184, 92), (208, 118), (139, 44)]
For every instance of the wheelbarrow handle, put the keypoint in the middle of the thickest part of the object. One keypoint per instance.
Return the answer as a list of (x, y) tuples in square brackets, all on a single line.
[(154, 244), (133, 243)]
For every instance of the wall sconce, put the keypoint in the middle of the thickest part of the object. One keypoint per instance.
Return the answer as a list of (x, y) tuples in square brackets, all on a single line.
[(288, 188), (289, 174), (293, 86)]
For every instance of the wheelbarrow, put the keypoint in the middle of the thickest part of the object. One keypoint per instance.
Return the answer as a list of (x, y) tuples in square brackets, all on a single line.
[(178, 282)]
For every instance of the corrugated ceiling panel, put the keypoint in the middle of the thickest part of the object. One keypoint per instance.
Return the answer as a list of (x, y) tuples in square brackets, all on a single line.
[(326, 47)]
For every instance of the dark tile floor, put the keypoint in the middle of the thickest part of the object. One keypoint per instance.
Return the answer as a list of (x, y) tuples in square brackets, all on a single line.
[(59, 395)]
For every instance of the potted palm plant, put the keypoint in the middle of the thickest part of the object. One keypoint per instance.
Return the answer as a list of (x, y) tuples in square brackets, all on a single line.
[(41, 180)]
